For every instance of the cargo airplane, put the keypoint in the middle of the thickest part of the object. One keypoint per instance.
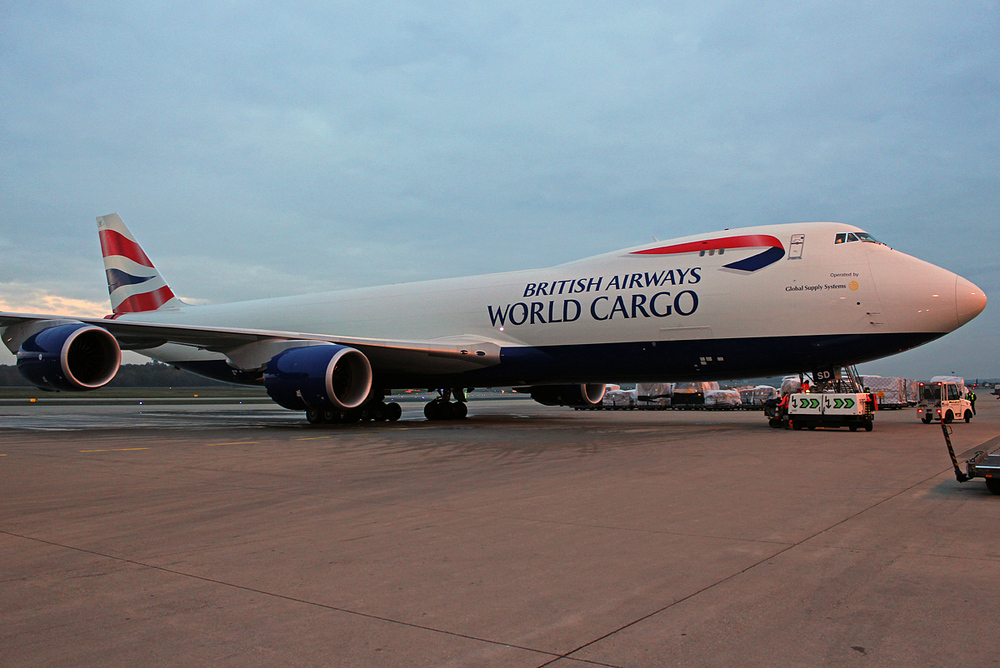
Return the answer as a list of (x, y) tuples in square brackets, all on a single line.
[(758, 301)]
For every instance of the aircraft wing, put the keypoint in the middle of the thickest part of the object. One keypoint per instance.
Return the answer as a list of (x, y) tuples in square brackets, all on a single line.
[(250, 349)]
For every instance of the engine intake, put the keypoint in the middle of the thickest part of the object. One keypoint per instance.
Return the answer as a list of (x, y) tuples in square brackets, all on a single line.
[(318, 376), (589, 394), (73, 356)]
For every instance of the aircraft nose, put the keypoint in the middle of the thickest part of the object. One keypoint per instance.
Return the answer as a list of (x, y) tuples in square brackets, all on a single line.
[(969, 300)]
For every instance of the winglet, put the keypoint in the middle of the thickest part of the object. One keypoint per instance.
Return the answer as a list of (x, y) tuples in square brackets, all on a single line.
[(134, 283)]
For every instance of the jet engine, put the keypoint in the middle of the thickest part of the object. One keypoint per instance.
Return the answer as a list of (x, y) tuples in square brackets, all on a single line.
[(321, 376), (589, 394), (70, 356)]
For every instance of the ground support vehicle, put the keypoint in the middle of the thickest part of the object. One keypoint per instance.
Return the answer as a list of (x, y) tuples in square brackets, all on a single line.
[(980, 462), (851, 410), (942, 400)]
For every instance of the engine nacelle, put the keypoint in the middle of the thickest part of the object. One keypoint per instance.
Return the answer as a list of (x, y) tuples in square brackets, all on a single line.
[(589, 394), (321, 376), (72, 356)]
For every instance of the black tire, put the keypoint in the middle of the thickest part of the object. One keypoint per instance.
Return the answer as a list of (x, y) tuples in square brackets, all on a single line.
[(393, 411), (869, 425), (314, 416), (993, 484), (459, 410), (436, 410), (949, 417)]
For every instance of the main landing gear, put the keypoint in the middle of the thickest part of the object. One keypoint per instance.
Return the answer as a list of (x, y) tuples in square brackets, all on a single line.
[(376, 409), (443, 408)]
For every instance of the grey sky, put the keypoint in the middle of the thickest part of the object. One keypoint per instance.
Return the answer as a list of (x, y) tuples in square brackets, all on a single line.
[(262, 149)]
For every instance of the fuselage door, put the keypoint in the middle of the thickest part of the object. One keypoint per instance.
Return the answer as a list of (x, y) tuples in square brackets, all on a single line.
[(795, 246)]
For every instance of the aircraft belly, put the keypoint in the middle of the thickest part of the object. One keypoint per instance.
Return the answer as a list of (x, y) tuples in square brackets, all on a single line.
[(679, 360)]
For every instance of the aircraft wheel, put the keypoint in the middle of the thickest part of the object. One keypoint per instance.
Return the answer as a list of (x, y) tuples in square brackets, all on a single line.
[(393, 411), (330, 416), (445, 410), (434, 410), (993, 484), (314, 416), (371, 412)]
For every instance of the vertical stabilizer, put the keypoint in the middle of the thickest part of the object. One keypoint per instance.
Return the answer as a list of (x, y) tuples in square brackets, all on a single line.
[(134, 283)]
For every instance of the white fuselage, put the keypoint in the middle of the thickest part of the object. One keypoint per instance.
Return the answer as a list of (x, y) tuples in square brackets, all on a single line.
[(843, 302)]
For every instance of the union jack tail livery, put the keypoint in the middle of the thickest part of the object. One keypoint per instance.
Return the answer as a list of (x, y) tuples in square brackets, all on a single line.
[(134, 283)]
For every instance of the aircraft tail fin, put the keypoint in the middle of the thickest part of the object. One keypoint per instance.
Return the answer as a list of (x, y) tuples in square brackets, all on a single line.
[(134, 283)]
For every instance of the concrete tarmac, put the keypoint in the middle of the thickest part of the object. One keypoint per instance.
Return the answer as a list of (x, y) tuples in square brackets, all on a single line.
[(524, 536)]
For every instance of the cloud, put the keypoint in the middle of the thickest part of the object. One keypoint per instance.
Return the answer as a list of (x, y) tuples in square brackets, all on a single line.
[(25, 298)]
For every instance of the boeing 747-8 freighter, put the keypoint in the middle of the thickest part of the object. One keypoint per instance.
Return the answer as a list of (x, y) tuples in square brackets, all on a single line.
[(757, 301)]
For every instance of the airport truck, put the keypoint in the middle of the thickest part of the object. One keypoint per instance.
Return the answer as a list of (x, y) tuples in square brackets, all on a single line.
[(851, 410), (942, 400), (840, 402)]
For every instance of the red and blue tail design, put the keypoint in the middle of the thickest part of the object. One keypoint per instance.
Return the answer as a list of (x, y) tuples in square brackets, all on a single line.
[(772, 250), (134, 283)]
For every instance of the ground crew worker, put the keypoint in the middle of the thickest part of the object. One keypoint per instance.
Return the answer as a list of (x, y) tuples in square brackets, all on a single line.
[(782, 408), (872, 400), (972, 400)]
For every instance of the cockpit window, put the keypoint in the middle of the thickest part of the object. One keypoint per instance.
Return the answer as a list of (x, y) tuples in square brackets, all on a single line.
[(847, 237)]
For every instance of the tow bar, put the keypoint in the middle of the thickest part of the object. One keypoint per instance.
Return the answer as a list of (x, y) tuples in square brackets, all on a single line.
[(980, 462)]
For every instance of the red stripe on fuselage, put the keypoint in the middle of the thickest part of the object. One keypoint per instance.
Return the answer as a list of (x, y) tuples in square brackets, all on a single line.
[(147, 301), (114, 243), (745, 241)]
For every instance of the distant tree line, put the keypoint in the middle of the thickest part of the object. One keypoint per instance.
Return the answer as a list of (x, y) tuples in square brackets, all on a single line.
[(152, 374)]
